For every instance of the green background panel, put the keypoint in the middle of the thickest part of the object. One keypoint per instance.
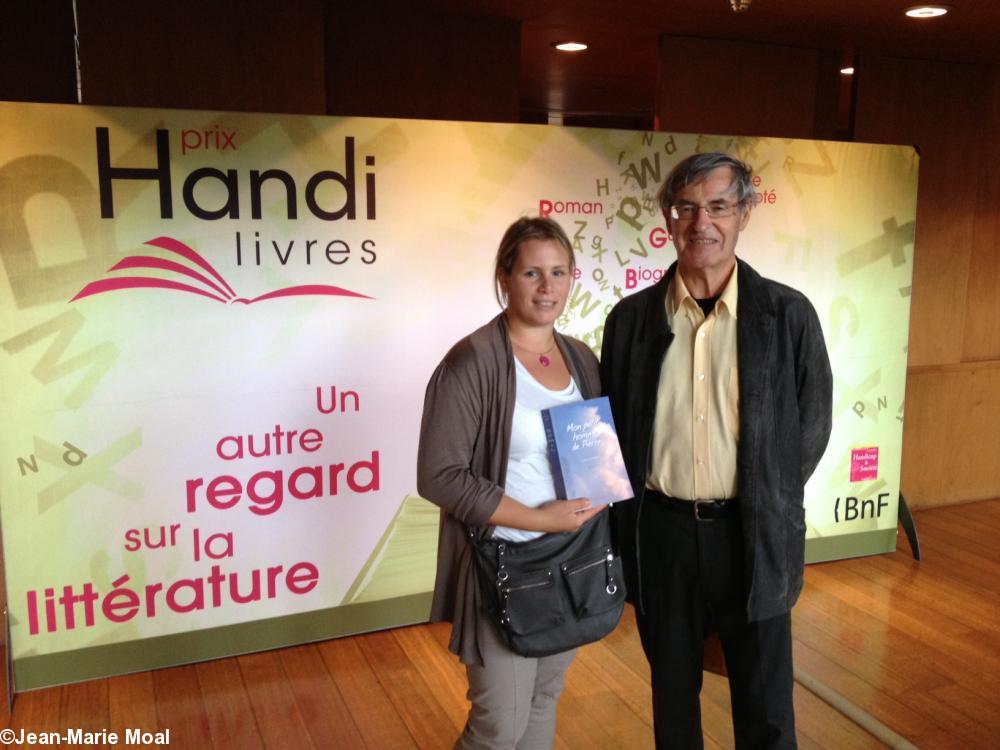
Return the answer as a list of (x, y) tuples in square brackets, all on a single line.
[(840, 547), (201, 645)]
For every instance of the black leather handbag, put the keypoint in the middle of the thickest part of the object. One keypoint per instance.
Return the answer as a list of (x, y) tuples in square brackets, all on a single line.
[(554, 593)]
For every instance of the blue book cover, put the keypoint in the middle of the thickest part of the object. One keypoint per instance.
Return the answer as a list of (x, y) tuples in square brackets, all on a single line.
[(584, 451)]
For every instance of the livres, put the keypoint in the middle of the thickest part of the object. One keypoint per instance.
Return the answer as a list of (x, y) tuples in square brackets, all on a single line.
[(584, 451)]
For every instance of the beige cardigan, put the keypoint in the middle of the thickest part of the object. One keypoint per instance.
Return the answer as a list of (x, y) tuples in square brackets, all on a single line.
[(462, 459)]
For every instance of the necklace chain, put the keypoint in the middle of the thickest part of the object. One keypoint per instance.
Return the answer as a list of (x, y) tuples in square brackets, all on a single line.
[(529, 351)]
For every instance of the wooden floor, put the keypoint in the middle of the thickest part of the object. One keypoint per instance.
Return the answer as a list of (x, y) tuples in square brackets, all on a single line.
[(917, 645)]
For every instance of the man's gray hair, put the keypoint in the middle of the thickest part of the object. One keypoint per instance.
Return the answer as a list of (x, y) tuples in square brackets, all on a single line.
[(696, 168)]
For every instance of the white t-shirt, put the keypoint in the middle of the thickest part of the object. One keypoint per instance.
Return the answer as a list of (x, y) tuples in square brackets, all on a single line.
[(529, 474)]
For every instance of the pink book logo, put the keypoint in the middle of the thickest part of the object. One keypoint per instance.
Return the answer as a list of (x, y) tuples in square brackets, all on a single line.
[(864, 464), (210, 283)]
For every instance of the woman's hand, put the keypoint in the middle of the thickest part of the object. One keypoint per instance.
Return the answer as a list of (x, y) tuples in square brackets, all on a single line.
[(565, 515), (555, 515)]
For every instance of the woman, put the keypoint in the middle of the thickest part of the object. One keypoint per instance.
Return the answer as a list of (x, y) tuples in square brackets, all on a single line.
[(483, 459)]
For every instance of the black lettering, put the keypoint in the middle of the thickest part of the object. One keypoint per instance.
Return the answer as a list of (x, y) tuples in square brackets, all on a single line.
[(106, 173)]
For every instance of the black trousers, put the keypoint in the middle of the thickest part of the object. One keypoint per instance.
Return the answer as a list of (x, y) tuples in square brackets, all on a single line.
[(692, 585)]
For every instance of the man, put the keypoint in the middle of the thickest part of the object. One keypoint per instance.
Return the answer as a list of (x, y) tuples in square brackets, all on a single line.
[(721, 389)]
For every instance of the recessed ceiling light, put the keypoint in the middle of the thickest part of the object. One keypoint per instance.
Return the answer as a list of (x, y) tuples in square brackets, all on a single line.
[(927, 11), (847, 71), (570, 46)]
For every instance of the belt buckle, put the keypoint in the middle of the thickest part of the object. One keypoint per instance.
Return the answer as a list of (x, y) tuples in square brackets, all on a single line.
[(697, 513)]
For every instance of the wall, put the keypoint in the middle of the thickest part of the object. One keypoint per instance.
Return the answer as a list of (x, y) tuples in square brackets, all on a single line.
[(379, 58), (413, 63), (951, 112), (36, 52), (247, 55), (745, 88)]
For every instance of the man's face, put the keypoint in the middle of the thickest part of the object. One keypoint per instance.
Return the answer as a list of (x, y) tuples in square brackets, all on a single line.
[(707, 245)]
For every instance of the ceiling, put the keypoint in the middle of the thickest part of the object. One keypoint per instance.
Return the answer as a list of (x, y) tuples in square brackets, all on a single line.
[(617, 76)]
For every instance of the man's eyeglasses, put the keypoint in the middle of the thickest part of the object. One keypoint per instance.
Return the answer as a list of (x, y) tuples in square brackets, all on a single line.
[(714, 210)]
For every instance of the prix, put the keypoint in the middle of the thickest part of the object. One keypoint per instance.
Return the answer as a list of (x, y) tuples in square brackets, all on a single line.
[(214, 138)]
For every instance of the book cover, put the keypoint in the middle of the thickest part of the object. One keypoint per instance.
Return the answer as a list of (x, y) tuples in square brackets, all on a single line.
[(584, 451)]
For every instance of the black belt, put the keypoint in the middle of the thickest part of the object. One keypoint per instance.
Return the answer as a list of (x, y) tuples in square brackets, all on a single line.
[(702, 510)]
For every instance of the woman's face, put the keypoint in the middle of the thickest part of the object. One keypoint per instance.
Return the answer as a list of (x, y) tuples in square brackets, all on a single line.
[(538, 284)]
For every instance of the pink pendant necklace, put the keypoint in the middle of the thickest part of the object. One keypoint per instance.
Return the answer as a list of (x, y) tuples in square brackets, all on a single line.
[(543, 359)]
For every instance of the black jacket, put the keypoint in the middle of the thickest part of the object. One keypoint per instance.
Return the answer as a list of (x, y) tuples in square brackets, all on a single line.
[(786, 396)]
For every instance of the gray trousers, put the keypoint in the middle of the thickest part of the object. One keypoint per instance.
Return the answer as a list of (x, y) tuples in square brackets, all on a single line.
[(513, 697)]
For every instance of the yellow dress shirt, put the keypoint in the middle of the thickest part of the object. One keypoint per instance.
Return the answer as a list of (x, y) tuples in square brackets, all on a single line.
[(697, 429)]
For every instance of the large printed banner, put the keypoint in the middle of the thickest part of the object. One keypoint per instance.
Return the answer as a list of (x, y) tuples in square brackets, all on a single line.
[(216, 329)]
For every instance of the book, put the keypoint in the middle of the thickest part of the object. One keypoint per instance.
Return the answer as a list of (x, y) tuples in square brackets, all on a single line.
[(584, 451)]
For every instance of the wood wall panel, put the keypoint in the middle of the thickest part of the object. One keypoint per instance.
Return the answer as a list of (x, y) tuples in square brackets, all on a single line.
[(951, 433), (951, 112), (37, 63), (940, 108), (741, 88), (831, 113), (982, 309), (241, 55), (389, 59)]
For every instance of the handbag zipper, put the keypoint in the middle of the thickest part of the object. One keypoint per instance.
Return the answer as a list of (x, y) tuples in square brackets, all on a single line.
[(608, 557), (535, 585)]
